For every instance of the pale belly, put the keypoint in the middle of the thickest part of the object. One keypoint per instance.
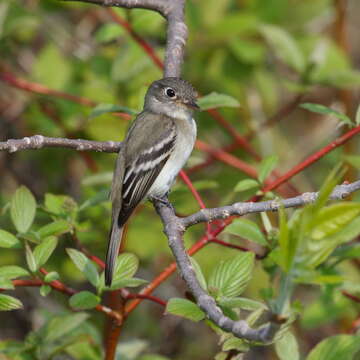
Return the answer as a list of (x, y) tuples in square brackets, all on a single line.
[(182, 150)]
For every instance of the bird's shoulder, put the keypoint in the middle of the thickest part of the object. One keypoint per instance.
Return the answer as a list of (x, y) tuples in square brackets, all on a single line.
[(147, 130)]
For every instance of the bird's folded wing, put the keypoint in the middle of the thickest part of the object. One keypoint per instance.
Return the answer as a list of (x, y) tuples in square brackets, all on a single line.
[(145, 160)]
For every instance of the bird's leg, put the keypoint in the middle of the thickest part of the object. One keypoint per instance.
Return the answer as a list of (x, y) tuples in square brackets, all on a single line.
[(163, 200)]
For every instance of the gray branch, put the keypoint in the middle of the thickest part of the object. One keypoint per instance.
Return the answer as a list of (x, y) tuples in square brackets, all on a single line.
[(174, 229), (177, 33), (175, 226), (38, 142), (243, 208)]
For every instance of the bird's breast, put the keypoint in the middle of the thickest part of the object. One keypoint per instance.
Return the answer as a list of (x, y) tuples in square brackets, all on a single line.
[(184, 144)]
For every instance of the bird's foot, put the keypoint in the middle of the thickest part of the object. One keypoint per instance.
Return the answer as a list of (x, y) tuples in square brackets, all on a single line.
[(163, 200)]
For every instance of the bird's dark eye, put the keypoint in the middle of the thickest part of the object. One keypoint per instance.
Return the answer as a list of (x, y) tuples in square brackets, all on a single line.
[(170, 92)]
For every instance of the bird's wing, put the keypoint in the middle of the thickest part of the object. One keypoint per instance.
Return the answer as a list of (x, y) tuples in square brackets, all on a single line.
[(145, 159), (137, 166)]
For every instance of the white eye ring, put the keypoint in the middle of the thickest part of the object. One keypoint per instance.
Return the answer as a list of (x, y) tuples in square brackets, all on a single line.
[(170, 92)]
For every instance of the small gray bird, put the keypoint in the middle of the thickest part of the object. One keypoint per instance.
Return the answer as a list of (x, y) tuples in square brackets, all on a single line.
[(156, 147)]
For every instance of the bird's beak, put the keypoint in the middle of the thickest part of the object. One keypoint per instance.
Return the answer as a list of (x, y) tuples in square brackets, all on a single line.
[(192, 104)]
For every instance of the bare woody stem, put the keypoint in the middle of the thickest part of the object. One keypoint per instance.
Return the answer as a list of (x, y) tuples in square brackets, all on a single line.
[(173, 12), (174, 230)]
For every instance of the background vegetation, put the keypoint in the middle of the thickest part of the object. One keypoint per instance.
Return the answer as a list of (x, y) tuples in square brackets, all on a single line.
[(61, 60)]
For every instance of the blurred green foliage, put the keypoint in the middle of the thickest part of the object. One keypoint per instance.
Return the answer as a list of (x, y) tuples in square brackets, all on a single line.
[(250, 58)]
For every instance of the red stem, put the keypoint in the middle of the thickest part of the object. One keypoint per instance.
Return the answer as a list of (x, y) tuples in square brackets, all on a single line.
[(44, 90), (191, 187), (147, 297), (147, 48), (351, 296), (233, 246), (312, 159)]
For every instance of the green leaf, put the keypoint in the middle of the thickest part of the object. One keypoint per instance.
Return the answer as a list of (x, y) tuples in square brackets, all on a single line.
[(23, 208), (43, 251), (62, 325), (60, 204), (55, 228), (84, 300), (131, 349), (267, 165), (287, 247), (199, 274), (108, 32), (127, 282), (45, 290), (353, 160), (184, 308), (51, 67), (324, 110), (246, 184), (287, 347), (333, 218), (99, 198), (153, 357), (284, 46), (234, 343), (229, 278), (347, 251), (98, 179), (247, 51), (8, 240), (126, 267), (215, 100), (6, 284), (247, 229), (51, 276), (357, 116), (30, 259), (333, 226), (12, 272), (336, 347), (85, 265), (110, 108), (242, 303), (8, 303)]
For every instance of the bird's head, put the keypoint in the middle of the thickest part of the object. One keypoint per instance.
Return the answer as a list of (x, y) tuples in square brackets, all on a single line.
[(171, 96)]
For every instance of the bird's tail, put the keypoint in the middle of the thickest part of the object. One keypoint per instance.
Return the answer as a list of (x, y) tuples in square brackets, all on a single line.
[(112, 252)]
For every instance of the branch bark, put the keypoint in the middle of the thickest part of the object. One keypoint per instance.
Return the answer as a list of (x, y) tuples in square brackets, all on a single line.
[(174, 229)]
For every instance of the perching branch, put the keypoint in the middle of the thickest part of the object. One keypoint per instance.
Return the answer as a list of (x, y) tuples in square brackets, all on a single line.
[(244, 208), (38, 142), (173, 12), (174, 229)]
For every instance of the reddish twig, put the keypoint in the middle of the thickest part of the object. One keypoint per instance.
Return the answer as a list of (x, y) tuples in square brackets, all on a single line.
[(147, 48), (234, 246), (232, 131), (351, 296), (191, 187), (36, 88), (211, 159), (146, 297), (312, 159), (59, 286), (227, 158)]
